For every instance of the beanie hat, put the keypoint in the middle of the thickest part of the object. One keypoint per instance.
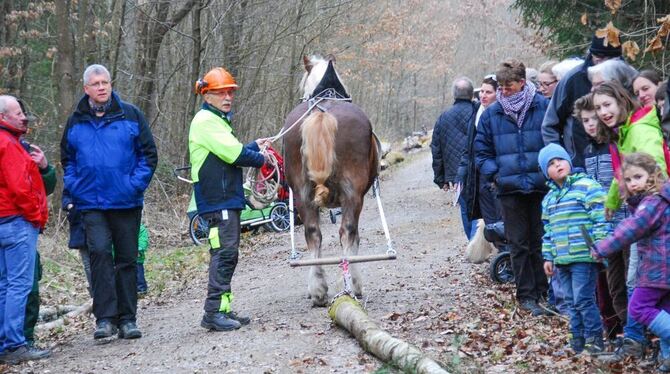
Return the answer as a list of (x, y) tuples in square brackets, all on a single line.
[(550, 152), (598, 48)]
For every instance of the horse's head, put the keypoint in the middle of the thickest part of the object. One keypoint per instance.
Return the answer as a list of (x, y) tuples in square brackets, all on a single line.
[(315, 69)]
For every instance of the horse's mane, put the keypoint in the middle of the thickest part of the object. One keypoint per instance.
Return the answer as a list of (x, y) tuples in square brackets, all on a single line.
[(321, 76)]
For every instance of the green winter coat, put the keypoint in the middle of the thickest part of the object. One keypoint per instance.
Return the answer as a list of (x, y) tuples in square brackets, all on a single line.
[(49, 179), (637, 135)]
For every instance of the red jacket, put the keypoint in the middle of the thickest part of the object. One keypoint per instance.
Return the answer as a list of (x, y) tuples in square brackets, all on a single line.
[(21, 188)]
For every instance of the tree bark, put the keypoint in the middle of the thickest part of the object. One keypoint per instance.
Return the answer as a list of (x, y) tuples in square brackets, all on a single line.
[(348, 314), (64, 63)]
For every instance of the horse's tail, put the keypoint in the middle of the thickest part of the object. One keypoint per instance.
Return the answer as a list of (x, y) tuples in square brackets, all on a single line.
[(318, 151)]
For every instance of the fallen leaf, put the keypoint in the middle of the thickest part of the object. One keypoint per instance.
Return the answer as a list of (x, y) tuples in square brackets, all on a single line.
[(611, 35), (631, 49), (613, 5), (584, 19)]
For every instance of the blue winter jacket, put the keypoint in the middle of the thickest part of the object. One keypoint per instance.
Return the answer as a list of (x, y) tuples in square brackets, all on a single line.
[(506, 154), (107, 161)]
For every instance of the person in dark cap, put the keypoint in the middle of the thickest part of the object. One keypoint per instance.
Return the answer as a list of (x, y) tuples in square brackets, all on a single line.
[(559, 126)]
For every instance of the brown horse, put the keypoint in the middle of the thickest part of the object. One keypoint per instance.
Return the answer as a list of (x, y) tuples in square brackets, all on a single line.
[(331, 160)]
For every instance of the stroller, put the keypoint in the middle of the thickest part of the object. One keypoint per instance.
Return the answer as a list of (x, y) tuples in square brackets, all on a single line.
[(500, 268)]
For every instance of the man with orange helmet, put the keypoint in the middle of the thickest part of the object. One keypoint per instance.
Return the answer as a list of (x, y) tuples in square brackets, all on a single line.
[(217, 159)]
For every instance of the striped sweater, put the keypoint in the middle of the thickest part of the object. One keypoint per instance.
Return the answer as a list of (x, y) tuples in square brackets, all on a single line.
[(580, 201)]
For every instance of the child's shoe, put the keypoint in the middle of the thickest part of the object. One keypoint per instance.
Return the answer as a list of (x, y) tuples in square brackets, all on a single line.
[(577, 344), (594, 345), (628, 348)]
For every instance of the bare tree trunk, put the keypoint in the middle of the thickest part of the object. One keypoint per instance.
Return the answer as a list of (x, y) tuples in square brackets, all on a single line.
[(118, 17), (64, 63), (150, 37)]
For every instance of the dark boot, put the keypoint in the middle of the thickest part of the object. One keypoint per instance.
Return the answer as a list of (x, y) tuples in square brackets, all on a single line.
[(628, 348), (242, 320), (594, 345), (532, 307), (577, 344), (104, 329), (129, 330), (219, 322), (23, 353)]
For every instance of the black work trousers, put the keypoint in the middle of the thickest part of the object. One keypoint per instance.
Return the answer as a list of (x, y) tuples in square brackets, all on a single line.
[(522, 214), (111, 237), (224, 241)]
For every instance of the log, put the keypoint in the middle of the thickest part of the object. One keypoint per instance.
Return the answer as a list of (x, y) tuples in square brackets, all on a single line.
[(83, 309), (348, 314), (338, 260)]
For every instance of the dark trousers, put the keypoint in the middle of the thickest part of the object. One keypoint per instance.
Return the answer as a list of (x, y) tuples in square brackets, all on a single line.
[(522, 214), (33, 304), (617, 265), (113, 276), (224, 241), (489, 204)]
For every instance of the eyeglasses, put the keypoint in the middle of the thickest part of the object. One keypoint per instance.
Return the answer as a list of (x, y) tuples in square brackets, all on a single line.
[(99, 84), (547, 84)]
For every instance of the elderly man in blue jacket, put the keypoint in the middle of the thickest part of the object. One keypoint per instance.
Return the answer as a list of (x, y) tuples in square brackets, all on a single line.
[(109, 157), (509, 138)]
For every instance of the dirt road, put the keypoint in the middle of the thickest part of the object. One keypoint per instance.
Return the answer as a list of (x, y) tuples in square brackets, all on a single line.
[(287, 335)]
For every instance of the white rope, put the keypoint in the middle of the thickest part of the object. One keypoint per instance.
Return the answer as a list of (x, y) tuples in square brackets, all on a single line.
[(294, 254), (389, 243)]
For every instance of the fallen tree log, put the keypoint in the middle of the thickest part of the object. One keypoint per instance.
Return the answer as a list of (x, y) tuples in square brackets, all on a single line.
[(348, 314), (83, 309)]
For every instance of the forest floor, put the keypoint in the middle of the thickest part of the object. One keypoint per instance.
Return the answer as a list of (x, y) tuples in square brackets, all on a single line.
[(429, 297)]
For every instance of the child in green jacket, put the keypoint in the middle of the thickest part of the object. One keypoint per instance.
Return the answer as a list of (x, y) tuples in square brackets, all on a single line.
[(143, 244)]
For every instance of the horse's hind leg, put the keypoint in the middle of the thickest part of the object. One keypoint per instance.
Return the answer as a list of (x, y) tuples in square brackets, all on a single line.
[(317, 285), (350, 240)]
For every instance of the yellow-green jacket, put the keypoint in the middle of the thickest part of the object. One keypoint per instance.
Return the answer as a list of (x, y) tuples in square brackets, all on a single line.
[(640, 133), (217, 158)]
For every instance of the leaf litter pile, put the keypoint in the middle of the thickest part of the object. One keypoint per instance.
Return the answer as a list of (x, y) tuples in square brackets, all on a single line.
[(480, 329)]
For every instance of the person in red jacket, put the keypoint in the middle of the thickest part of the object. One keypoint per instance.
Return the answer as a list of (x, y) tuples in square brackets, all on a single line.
[(23, 213)]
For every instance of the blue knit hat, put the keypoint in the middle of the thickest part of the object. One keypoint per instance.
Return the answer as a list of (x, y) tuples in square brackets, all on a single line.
[(550, 152)]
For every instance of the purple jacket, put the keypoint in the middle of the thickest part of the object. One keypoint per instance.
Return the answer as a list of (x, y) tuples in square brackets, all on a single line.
[(650, 228)]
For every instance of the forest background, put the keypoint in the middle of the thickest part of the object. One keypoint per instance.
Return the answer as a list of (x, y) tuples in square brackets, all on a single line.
[(398, 58)]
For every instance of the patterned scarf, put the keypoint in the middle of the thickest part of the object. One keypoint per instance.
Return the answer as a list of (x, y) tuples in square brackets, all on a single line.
[(517, 105), (100, 108)]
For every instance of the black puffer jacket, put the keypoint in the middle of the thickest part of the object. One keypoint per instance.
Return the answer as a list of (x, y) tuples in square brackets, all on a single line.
[(468, 175), (450, 136)]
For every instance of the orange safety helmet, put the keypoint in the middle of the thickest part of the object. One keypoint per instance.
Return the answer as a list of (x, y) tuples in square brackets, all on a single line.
[(215, 79)]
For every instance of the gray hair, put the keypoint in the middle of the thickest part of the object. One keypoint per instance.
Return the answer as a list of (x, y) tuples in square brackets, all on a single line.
[(4, 101), (614, 70), (95, 69), (462, 88), (562, 68)]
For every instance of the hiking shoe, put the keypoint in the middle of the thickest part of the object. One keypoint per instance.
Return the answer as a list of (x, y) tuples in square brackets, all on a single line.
[(594, 345), (242, 320), (628, 348), (219, 322), (104, 329), (129, 330), (23, 353), (532, 307), (577, 344)]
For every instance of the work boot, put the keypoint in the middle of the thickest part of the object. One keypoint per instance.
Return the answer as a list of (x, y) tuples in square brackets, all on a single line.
[(23, 353), (531, 306), (219, 322), (129, 330), (242, 320), (628, 348), (104, 329), (594, 345)]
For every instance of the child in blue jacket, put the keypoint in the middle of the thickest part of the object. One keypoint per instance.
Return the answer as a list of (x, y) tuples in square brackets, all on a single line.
[(573, 200)]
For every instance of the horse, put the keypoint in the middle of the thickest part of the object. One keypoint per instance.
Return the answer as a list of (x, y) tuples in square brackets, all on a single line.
[(331, 160)]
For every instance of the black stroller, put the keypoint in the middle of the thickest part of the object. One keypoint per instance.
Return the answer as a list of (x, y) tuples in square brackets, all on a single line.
[(501, 265)]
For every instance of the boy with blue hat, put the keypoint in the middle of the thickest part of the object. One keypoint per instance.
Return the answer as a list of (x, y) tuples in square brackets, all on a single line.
[(573, 200)]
